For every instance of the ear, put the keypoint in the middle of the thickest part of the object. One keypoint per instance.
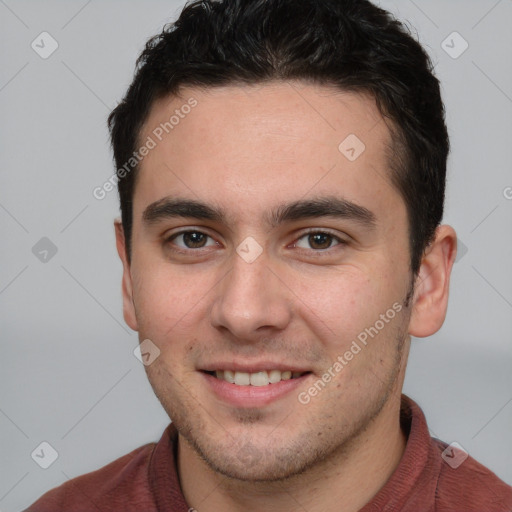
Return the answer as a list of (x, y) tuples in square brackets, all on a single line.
[(127, 285), (430, 299)]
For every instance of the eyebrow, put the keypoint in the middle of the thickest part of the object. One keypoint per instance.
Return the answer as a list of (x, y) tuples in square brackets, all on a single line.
[(167, 208), (329, 206)]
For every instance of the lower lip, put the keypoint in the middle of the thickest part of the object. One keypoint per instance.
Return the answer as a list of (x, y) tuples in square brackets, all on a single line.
[(253, 396)]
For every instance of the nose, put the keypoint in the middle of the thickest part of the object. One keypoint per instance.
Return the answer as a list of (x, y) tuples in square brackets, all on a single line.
[(252, 299)]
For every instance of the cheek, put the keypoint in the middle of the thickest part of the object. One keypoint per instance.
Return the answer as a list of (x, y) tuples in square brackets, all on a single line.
[(345, 304), (167, 302), (336, 299)]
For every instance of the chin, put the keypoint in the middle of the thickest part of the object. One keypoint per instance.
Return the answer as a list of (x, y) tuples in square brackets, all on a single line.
[(264, 470), (252, 461)]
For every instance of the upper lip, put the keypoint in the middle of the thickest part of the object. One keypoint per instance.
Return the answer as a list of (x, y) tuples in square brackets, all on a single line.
[(246, 367)]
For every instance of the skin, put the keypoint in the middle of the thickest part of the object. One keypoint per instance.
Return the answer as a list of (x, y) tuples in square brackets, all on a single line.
[(247, 150)]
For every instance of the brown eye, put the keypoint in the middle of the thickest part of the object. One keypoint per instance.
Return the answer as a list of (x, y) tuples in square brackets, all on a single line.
[(191, 240), (318, 240)]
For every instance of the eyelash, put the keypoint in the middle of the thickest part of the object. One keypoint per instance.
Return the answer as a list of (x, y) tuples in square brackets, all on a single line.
[(334, 237), (185, 250)]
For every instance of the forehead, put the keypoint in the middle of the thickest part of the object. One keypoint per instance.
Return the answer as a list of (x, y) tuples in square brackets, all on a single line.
[(251, 146)]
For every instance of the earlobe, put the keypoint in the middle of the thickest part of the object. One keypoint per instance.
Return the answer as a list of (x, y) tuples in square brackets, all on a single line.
[(430, 300), (127, 284)]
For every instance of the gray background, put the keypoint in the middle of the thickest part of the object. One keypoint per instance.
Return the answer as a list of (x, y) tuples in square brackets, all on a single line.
[(68, 373)]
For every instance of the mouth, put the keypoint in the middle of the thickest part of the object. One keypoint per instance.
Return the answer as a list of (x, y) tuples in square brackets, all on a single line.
[(257, 379), (254, 389)]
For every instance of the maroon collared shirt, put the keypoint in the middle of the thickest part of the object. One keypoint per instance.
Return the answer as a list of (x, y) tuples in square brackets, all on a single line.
[(426, 480)]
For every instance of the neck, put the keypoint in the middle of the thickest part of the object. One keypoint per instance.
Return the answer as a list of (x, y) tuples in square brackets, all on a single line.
[(346, 481)]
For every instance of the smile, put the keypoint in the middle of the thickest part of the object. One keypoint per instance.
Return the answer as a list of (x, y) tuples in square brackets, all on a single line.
[(261, 378)]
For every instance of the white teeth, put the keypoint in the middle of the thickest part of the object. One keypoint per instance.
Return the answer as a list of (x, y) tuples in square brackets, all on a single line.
[(242, 379), (274, 376), (229, 376), (259, 379), (263, 378)]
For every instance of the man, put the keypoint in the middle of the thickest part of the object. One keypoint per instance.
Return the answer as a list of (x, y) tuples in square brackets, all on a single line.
[(281, 169)]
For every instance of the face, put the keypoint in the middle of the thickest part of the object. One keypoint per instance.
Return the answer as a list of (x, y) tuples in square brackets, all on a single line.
[(266, 244)]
